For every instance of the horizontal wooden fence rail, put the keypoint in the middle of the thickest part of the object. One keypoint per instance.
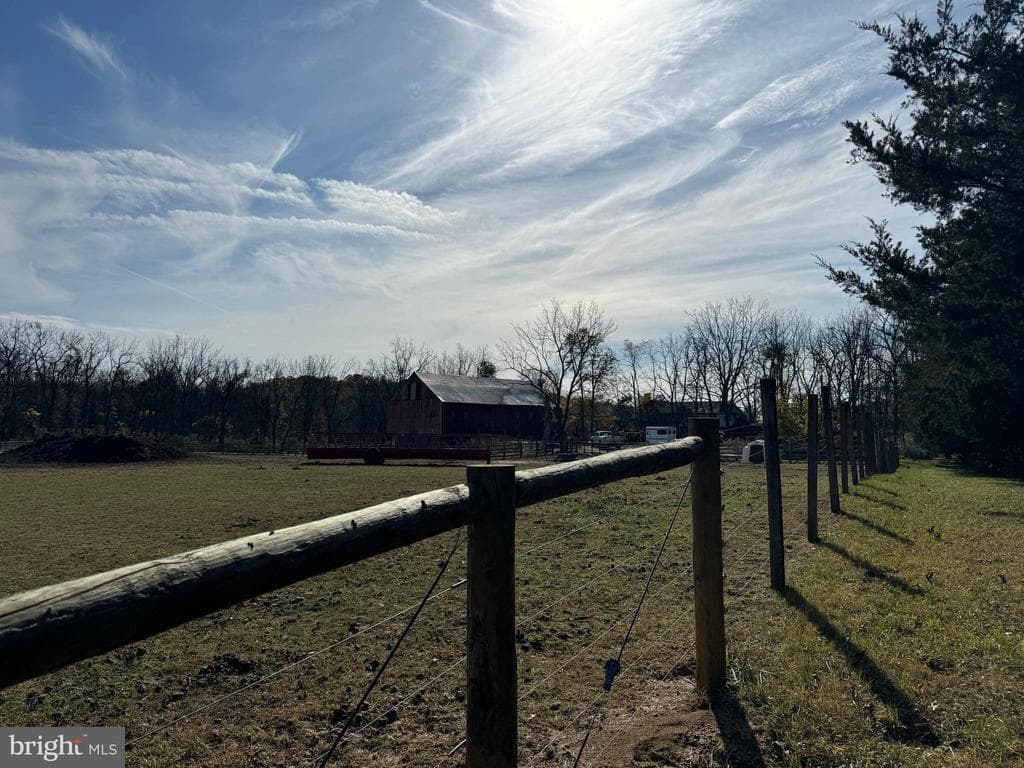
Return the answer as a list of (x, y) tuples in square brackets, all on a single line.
[(49, 628)]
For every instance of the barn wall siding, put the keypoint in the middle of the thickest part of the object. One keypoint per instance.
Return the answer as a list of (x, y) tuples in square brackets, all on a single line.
[(512, 420), (415, 417)]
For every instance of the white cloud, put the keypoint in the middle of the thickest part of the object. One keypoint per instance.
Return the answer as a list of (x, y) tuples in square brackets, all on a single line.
[(181, 225), (98, 56), (364, 203), (649, 155), (579, 84)]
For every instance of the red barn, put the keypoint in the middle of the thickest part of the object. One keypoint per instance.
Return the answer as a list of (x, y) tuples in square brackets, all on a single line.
[(432, 404)]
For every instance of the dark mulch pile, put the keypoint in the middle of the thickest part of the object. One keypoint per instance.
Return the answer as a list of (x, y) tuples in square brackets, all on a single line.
[(92, 448)]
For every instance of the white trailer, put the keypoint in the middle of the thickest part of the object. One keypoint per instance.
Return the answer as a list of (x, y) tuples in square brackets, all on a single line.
[(660, 435)]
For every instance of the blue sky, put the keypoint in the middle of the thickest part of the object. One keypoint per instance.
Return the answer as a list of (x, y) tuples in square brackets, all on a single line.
[(288, 178)]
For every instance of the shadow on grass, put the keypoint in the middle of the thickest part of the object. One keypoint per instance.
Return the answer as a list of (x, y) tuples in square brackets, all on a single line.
[(967, 471), (741, 747), (878, 500), (915, 728), (873, 571), (869, 483), (877, 528)]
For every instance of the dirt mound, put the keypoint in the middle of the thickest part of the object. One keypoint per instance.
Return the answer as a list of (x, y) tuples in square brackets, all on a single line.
[(93, 448)]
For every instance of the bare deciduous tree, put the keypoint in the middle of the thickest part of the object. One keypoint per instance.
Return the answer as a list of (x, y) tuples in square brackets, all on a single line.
[(635, 357), (552, 353), (725, 339)]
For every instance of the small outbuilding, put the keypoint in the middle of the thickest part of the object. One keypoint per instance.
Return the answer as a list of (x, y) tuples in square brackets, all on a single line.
[(753, 452), (433, 404)]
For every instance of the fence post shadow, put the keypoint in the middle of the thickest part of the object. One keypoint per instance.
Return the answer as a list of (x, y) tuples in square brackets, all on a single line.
[(914, 726), (872, 525), (871, 570), (738, 738), (875, 487), (884, 502)]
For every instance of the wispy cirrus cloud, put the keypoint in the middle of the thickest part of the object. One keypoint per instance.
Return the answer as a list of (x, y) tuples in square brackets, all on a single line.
[(648, 155), (99, 56), (80, 324), (195, 219), (332, 15)]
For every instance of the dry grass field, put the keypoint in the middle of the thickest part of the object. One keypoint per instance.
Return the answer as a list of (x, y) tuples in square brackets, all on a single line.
[(895, 646)]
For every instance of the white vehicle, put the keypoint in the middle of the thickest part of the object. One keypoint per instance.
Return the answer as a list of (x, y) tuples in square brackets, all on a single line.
[(660, 435), (606, 438)]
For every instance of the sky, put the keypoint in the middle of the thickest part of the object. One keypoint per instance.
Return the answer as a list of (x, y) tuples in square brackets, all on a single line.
[(320, 177)]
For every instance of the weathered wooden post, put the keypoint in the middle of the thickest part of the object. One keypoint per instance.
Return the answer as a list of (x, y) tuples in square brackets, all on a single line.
[(491, 713), (865, 437), (871, 453), (854, 444), (708, 595), (773, 475), (812, 467), (844, 443), (861, 424), (830, 449)]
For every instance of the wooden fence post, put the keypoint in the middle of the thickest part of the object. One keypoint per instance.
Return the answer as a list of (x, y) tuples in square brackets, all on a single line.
[(708, 595), (844, 443), (491, 678), (773, 475), (861, 424), (854, 444), (865, 436), (830, 449), (870, 442), (812, 467)]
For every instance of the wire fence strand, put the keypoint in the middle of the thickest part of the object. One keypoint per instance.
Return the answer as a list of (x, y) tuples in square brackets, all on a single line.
[(290, 666), (670, 631)]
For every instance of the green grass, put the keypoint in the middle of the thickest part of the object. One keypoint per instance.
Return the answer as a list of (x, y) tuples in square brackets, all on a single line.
[(899, 642), (895, 646)]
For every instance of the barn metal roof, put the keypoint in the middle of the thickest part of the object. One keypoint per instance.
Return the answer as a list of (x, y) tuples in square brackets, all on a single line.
[(478, 391)]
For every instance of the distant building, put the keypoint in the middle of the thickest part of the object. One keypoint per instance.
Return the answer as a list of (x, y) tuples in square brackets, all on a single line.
[(729, 414), (432, 404), (665, 412)]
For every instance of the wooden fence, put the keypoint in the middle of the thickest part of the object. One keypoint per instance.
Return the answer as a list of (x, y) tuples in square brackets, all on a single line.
[(49, 628), (861, 453)]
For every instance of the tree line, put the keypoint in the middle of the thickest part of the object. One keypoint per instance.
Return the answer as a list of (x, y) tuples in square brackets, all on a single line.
[(957, 155), (63, 380), (60, 380), (711, 364)]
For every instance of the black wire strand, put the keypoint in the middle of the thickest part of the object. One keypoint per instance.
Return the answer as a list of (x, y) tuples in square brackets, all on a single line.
[(285, 668), (613, 666), (654, 568), (391, 654)]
